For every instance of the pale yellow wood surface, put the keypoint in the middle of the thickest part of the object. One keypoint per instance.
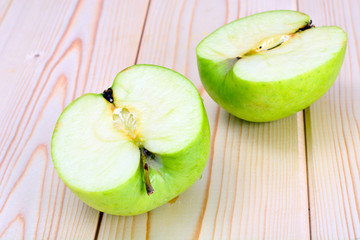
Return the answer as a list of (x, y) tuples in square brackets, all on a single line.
[(333, 136), (254, 185), (52, 52)]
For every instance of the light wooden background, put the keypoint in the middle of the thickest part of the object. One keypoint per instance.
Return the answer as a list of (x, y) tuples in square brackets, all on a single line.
[(296, 178)]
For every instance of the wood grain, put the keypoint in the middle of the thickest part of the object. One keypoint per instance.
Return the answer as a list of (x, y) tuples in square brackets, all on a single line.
[(52, 53), (333, 136), (254, 185)]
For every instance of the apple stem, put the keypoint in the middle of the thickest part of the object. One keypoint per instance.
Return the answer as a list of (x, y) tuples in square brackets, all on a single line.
[(308, 26), (149, 188)]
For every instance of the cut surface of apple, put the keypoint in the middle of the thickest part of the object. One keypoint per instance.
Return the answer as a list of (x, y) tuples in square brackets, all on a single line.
[(136, 146), (270, 65)]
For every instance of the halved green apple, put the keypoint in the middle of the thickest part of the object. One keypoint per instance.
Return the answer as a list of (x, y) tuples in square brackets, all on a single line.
[(270, 65), (138, 145)]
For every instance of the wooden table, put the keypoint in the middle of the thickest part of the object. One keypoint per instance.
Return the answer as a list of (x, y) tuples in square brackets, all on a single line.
[(296, 178)]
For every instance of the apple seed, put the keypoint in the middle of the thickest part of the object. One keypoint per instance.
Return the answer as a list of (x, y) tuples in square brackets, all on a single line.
[(108, 95)]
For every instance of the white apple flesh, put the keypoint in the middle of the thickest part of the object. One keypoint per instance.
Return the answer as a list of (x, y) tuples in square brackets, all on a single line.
[(270, 65), (137, 145)]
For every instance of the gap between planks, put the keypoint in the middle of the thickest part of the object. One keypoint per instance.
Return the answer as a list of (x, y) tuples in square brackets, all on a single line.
[(306, 113), (304, 117), (101, 215)]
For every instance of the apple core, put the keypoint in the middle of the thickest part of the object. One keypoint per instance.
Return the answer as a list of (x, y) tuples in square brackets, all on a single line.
[(126, 122)]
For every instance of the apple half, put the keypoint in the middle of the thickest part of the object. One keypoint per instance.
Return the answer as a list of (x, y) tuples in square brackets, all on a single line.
[(138, 145), (270, 65)]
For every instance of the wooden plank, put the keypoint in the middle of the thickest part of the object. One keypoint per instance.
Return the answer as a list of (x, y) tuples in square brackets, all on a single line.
[(51, 53), (332, 133), (254, 185)]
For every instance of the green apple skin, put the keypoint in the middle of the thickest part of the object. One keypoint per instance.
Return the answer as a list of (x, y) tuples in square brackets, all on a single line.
[(266, 101), (177, 172), (180, 170), (263, 101)]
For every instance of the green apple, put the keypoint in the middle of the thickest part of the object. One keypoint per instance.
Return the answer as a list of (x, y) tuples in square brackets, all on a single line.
[(270, 65), (136, 146)]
